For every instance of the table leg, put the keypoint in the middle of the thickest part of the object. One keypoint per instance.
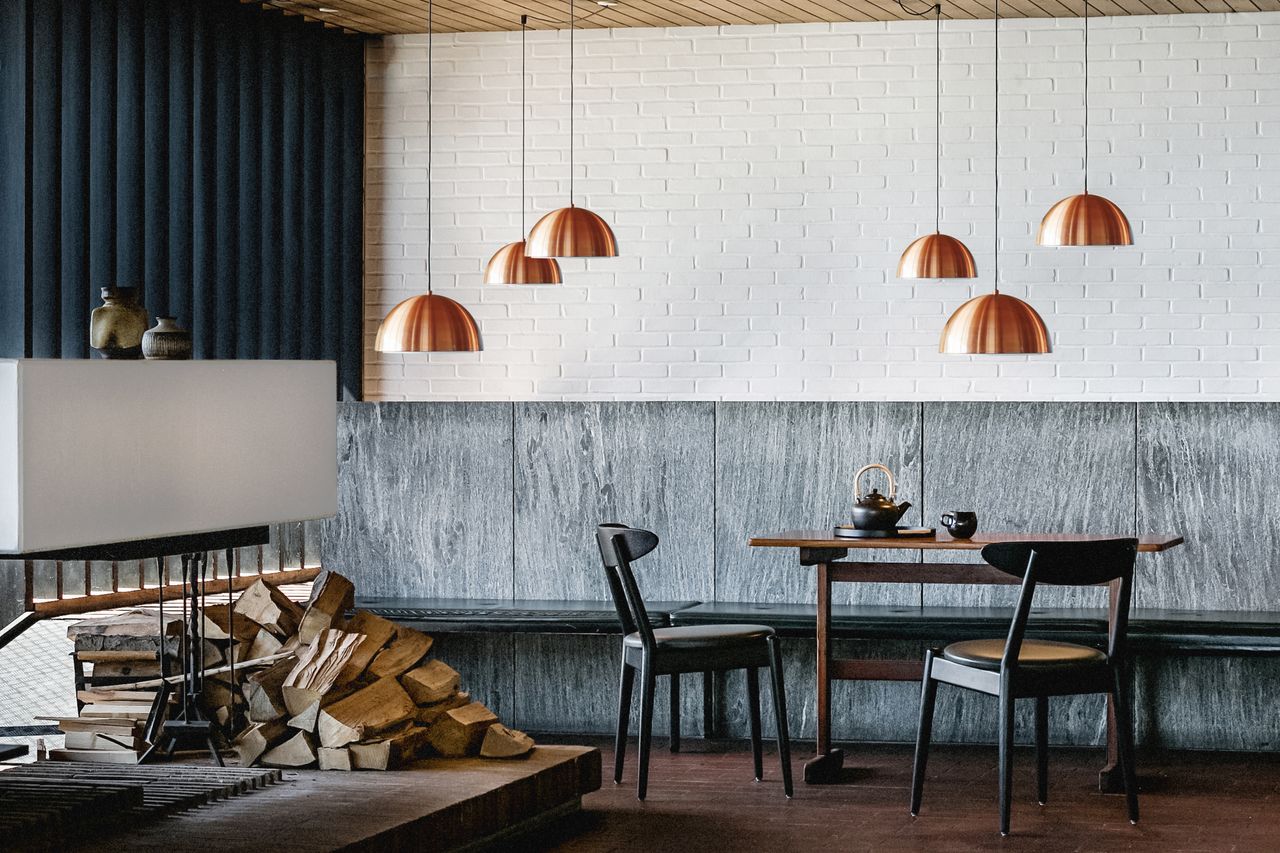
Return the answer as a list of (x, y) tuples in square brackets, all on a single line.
[(1110, 779), (824, 768)]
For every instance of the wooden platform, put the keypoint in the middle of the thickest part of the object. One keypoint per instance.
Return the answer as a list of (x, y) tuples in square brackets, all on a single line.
[(438, 804)]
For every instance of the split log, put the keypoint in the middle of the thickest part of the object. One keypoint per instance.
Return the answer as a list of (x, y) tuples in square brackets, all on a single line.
[(377, 633), (332, 595), (502, 742), (127, 669), (460, 732), (405, 651), (321, 662), (129, 624), (297, 751), (118, 710), (298, 700), (270, 608), (107, 694), (264, 643), (307, 718), (120, 739), (237, 626), (428, 714), (108, 725), (434, 681), (211, 653), (263, 691), (97, 756), (370, 710), (334, 758), (257, 739), (210, 629), (217, 693), (389, 753)]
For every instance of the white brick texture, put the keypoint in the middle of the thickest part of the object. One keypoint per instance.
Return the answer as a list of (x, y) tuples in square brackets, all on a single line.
[(762, 182)]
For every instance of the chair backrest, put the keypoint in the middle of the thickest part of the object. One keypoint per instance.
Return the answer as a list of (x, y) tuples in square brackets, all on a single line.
[(619, 546), (1067, 564)]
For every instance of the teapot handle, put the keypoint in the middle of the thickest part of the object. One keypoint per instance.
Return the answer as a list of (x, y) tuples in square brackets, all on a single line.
[(857, 481)]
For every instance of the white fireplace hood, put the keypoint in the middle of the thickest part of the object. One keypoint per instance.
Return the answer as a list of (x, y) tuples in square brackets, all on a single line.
[(95, 452)]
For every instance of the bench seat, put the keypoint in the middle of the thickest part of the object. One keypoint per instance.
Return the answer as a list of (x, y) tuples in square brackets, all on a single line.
[(504, 616), (1151, 630)]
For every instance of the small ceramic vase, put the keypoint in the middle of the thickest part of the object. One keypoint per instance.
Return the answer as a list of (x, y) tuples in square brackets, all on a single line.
[(116, 327), (166, 341)]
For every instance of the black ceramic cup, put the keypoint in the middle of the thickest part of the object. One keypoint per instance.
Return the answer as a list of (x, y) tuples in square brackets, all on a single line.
[(961, 525)]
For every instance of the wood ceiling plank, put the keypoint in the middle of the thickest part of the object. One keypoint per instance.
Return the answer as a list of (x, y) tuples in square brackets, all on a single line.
[(410, 16)]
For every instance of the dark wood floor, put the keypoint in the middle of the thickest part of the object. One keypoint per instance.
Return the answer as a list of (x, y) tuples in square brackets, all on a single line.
[(704, 799)]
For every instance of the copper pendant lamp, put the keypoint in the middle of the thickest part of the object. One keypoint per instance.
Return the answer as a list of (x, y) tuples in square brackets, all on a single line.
[(995, 323), (428, 322), (936, 255), (571, 232), (510, 264), (1085, 219)]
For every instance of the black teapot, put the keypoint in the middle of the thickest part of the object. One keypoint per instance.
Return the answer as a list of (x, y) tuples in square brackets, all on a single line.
[(874, 511)]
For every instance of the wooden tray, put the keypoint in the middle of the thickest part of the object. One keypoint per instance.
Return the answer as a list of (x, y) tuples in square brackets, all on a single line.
[(848, 531)]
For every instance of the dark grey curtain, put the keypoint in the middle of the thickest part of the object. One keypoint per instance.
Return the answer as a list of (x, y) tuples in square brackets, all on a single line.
[(208, 152)]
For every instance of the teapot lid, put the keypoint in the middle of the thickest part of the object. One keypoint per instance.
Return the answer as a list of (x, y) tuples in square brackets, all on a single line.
[(874, 498)]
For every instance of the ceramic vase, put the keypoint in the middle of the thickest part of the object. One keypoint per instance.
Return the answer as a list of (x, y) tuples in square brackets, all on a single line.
[(116, 327), (166, 341)]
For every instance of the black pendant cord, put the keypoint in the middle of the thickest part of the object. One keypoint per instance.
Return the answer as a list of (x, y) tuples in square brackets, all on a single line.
[(937, 90), (431, 129), (571, 99), (1086, 97), (936, 9), (524, 111), (572, 22), (995, 170)]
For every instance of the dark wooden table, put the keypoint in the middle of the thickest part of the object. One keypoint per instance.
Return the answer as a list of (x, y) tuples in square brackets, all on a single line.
[(825, 552)]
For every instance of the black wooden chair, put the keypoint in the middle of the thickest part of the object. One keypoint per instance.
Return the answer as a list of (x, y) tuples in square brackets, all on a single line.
[(674, 651), (1017, 668)]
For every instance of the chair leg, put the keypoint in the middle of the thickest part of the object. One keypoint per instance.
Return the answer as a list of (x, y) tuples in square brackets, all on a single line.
[(1006, 756), (646, 725), (1124, 734), (708, 705), (924, 732), (780, 713), (624, 717), (753, 703), (1042, 749), (675, 712)]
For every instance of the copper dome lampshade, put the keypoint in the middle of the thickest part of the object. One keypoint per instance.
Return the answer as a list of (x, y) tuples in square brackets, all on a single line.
[(428, 322), (994, 323), (936, 255), (1085, 219), (510, 264), (571, 232)]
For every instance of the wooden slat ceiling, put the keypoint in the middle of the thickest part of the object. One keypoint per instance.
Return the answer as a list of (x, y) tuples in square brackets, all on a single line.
[(410, 16)]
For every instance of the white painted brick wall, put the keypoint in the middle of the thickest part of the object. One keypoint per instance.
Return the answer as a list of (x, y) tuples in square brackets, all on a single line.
[(762, 182)]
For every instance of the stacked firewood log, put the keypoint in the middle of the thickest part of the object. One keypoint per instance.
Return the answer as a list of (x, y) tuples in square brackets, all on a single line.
[(358, 693), (297, 685)]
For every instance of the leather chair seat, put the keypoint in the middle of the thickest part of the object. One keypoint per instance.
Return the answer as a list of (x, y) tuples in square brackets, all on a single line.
[(703, 636), (1035, 654)]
